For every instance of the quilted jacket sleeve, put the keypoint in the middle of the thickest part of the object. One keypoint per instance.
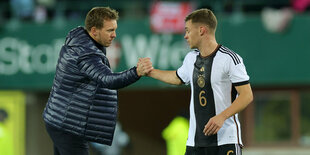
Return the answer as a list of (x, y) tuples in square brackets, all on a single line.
[(93, 67)]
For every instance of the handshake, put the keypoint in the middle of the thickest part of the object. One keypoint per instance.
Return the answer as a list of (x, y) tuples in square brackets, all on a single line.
[(144, 66)]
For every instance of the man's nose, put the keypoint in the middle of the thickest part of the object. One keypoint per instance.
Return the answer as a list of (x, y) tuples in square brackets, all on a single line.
[(185, 36), (113, 35)]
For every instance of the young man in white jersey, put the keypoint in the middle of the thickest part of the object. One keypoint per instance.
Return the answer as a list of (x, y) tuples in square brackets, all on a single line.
[(219, 88)]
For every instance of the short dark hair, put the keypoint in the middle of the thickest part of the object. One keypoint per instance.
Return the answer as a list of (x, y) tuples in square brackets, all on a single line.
[(204, 16), (97, 15)]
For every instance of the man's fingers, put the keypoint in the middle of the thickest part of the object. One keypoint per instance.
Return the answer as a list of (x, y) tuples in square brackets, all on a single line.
[(144, 59), (207, 126), (148, 70), (145, 65), (213, 130), (217, 130), (210, 129)]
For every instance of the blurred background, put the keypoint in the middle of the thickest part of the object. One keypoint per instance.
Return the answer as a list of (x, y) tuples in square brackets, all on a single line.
[(273, 37)]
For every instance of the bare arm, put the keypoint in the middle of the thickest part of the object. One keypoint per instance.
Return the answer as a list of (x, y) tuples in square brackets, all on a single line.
[(169, 77), (242, 101)]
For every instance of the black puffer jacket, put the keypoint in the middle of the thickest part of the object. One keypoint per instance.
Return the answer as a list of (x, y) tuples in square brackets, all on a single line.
[(83, 100)]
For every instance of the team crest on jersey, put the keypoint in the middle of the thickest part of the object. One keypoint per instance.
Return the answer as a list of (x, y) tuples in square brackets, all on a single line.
[(201, 81), (202, 69)]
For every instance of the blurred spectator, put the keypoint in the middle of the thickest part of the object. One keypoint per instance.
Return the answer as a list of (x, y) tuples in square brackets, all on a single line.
[(276, 20), (46, 3), (22, 9), (121, 140), (41, 13), (175, 135), (300, 5)]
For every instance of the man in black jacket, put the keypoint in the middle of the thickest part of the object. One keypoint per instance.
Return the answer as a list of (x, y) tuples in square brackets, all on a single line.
[(82, 105)]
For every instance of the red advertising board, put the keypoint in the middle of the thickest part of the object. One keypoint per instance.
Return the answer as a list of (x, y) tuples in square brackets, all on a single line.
[(168, 17)]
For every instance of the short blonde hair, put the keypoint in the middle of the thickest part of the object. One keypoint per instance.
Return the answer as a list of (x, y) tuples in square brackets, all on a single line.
[(204, 16)]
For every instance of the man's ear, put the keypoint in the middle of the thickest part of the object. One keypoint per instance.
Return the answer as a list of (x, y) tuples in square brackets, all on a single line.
[(93, 31), (202, 30)]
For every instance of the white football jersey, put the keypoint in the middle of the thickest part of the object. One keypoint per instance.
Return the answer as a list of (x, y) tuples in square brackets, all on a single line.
[(212, 81)]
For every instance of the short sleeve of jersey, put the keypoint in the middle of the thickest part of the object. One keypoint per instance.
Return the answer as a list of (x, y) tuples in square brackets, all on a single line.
[(237, 72), (183, 71)]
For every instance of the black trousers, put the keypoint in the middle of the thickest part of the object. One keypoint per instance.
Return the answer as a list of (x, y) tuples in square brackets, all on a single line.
[(228, 149), (67, 144)]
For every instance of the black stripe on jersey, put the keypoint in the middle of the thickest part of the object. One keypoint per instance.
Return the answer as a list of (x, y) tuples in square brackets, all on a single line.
[(233, 55), (235, 61), (204, 105), (241, 83), (233, 97), (237, 129), (179, 77), (233, 94)]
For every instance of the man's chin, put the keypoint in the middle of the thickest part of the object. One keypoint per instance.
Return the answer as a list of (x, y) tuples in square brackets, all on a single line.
[(194, 46), (107, 45)]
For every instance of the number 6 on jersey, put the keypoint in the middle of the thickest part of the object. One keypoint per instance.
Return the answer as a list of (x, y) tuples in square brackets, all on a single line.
[(202, 99)]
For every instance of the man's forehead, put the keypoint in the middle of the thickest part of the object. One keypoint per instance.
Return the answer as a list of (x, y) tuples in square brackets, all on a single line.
[(196, 24), (109, 23), (188, 24)]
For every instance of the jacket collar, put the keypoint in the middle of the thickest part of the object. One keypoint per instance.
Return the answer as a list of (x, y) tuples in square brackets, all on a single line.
[(99, 46), (80, 37)]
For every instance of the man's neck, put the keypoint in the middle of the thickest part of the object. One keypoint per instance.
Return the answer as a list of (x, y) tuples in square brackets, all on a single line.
[(208, 47), (96, 43)]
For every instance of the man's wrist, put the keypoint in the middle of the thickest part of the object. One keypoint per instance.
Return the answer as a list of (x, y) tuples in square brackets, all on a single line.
[(224, 115), (137, 72)]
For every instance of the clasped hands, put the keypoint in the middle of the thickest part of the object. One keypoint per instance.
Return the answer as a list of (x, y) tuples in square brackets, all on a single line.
[(144, 66)]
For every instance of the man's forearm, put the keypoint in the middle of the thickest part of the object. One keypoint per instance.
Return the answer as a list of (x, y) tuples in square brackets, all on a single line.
[(169, 77), (240, 103)]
